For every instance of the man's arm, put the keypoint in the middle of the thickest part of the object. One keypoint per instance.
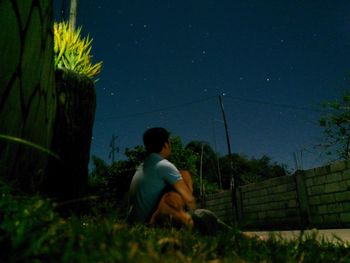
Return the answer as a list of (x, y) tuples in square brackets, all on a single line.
[(186, 194)]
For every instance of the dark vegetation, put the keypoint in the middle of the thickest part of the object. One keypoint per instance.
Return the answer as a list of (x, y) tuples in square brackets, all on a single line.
[(32, 231), (336, 128), (112, 181), (93, 228)]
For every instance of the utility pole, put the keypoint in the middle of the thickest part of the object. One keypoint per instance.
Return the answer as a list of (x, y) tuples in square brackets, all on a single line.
[(234, 178), (201, 190), (73, 14), (217, 157), (114, 148)]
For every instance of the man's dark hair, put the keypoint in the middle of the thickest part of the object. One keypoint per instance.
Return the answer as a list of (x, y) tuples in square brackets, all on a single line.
[(154, 139)]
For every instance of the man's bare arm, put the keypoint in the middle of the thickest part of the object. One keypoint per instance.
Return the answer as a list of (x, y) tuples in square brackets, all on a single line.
[(186, 194)]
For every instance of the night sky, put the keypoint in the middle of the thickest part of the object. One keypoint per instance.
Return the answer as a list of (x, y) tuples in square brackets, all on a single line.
[(166, 62)]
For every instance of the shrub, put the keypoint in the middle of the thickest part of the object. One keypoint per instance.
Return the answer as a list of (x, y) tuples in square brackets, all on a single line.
[(73, 52)]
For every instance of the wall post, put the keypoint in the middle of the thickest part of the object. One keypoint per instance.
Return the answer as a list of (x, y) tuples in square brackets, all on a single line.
[(302, 196), (237, 194)]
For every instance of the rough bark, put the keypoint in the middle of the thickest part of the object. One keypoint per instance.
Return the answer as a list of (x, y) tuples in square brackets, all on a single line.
[(67, 177)]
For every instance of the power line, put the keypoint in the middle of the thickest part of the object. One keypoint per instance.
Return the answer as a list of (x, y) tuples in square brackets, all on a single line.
[(273, 104), (288, 106), (158, 110)]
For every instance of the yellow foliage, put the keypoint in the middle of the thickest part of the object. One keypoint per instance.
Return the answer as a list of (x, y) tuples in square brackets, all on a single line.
[(73, 52)]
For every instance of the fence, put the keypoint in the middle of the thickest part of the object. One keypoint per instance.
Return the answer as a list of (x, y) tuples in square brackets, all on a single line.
[(318, 197)]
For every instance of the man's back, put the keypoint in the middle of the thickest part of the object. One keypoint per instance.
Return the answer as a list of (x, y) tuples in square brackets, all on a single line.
[(148, 184)]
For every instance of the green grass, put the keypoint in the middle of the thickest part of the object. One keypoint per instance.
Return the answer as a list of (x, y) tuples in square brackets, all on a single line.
[(31, 231)]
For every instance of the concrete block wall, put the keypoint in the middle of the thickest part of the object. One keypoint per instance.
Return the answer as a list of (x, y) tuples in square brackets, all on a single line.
[(273, 202), (328, 191), (221, 205), (318, 197)]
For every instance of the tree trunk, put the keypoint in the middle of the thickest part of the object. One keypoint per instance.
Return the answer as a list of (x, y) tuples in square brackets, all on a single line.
[(72, 136)]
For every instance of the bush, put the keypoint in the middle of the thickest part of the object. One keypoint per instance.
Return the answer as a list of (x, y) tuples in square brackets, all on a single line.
[(72, 52), (113, 182)]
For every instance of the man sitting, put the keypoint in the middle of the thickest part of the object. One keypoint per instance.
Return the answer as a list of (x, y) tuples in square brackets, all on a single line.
[(153, 176), (152, 180)]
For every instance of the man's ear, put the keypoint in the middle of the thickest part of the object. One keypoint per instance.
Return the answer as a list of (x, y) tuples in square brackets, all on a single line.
[(165, 150)]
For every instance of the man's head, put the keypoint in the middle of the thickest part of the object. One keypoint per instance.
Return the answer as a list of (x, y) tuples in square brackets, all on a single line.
[(155, 139)]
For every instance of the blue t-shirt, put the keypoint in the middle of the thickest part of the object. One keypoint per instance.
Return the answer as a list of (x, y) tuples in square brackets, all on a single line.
[(148, 184)]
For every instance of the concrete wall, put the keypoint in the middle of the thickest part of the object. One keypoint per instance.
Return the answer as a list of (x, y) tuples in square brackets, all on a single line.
[(273, 201), (328, 191), (221, 205), (317, 197)]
